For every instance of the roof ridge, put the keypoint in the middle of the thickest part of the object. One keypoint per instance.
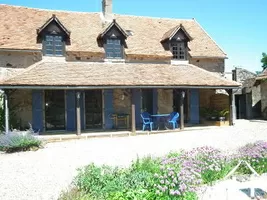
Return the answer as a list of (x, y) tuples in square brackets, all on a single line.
[(151, 17), (84, 12), (210, 37), (44, 9)]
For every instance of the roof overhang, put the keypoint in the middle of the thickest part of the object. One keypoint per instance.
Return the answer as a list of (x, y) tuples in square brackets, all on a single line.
[(115, 87)]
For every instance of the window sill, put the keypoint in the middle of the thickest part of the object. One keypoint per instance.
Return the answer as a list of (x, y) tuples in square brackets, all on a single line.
[(179, 62), (114, 60)]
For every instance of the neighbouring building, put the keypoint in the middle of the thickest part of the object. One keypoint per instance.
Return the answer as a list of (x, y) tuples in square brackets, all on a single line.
[(74, 70), (247, 97), (261, 80)]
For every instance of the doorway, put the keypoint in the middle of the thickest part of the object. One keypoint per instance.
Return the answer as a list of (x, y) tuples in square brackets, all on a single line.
[(54, 110), (93, 109)]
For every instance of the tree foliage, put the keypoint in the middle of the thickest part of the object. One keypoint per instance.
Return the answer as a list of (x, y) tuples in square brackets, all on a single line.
[(264, 61)]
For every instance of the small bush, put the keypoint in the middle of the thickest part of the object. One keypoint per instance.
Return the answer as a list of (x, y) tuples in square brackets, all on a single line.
[(13, 142)]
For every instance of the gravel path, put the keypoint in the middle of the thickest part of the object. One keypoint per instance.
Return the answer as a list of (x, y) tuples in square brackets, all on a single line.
[(41, 175)]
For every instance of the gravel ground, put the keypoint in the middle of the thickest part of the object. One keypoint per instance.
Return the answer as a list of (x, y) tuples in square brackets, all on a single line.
[(43, 174)]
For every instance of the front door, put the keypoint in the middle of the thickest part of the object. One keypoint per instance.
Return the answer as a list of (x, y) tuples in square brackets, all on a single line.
[(93, 109)]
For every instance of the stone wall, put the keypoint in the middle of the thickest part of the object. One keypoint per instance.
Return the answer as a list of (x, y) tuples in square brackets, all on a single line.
[(210, 64), (264, 99), (20, 106), (165, 101), (122, 101), (19, 59)]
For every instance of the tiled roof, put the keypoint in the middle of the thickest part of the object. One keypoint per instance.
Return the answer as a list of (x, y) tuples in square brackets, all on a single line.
[(62, 73), (18, 27), (262, 75)]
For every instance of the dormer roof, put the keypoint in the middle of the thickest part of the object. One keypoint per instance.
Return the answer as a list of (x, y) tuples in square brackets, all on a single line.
[(172, 32), (113, 24), (51, 20)]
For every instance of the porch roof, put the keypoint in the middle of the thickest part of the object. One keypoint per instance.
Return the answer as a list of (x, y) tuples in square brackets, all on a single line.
[(62, 74)]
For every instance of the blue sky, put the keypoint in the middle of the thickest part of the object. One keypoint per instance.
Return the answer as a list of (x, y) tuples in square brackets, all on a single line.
[(238, 26)]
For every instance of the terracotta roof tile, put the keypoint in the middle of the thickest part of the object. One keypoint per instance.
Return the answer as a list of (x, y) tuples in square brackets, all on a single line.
[(18, 31), (62, 73)]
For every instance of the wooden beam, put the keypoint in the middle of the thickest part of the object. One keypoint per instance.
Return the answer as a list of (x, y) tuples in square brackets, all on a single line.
[(231, 107), (182, 93), (78, 113), (133, 119)]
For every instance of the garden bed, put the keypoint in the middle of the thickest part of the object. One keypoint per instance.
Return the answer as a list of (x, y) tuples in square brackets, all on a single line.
[(174, 176)]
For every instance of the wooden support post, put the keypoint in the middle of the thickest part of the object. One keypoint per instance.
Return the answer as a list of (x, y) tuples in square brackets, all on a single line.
[(6, 114), (133, 119), (182, 95), (78, 114), (231, 107)]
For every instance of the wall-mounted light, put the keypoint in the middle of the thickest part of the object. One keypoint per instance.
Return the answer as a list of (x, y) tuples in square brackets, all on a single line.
[(78, 95)]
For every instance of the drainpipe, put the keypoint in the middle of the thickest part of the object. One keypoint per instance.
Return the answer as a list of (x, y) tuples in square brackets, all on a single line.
[(6, 114)]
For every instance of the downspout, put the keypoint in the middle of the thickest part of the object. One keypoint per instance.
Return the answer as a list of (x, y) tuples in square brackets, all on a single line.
[(6, 114)]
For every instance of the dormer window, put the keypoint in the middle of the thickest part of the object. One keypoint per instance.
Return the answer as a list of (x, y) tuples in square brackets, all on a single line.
[(53, 45), (176, 40), (113, 48), (113, 40), (178, 50), (53, 36)]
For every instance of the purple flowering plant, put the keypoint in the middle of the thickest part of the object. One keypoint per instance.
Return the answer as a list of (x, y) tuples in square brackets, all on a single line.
[(255, 154)]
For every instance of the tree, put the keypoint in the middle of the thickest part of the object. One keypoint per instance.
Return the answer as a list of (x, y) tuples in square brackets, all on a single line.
[(264, 61)]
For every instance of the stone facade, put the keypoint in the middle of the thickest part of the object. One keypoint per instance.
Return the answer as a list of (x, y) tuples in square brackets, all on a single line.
[(209, 64), (122, 101), (248, 97), (165, 101), (264, 99), (19, 59)]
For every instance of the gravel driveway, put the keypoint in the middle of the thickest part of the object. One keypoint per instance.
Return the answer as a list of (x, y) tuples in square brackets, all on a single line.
[(44, 173)]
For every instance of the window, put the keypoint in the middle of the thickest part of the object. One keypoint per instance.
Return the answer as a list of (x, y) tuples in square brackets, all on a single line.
[(113, 48), (178, 50), (53, 45)]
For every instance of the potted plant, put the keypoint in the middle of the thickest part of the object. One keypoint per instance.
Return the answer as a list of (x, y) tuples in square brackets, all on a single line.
[(222, 114)]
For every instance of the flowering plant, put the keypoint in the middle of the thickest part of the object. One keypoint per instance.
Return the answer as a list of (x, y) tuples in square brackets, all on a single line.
[(255, 154)]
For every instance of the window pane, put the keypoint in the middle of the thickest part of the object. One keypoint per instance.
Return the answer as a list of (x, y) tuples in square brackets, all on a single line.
[(53, 45), (113, 48)]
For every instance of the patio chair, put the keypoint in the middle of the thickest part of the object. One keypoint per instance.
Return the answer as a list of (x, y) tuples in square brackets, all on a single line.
[(174, 116), (147, 121)]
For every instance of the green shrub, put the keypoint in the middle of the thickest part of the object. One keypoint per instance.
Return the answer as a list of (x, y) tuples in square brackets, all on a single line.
[(13, 142), (148, 164)]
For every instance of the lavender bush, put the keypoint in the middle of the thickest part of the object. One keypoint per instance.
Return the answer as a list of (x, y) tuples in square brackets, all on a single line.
[(13, 142), (255, 154)]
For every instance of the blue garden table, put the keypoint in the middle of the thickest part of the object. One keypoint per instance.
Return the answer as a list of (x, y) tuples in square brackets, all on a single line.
[(160, 119)]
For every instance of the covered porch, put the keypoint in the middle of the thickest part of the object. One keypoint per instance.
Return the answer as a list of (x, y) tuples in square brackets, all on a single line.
[(65, 111), (75, 96)]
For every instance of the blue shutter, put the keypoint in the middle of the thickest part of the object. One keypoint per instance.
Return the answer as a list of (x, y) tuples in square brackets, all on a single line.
[(155, 101), (194, 106), (71, 110), (136, 99), (82, 110), (37, 110), (109, 109)]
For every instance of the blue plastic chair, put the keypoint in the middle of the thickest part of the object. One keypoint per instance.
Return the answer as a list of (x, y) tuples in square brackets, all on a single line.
[(147, 121), (174, 116)]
